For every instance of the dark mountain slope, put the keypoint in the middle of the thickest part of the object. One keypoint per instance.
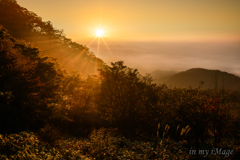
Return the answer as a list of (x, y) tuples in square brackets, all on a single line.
[(26, 25), (212, 79)]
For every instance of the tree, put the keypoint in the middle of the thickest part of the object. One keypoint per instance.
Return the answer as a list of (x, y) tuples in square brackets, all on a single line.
[(31, 81), (126, 98)]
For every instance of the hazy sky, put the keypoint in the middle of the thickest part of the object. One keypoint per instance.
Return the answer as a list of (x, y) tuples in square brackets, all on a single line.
[(181, 34), (142, 19)]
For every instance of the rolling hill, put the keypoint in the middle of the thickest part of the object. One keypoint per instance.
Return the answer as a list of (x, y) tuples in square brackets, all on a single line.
[(212, 79)]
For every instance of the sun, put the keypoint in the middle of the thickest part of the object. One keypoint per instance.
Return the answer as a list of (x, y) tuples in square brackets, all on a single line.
[(99, 32)]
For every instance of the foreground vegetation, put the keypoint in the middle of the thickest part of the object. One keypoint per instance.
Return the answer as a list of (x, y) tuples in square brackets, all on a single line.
[(101, 144)]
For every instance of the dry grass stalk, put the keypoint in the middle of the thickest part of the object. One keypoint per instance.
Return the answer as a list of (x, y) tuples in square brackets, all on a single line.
[(185, 131), (177, 128), (158, 130)]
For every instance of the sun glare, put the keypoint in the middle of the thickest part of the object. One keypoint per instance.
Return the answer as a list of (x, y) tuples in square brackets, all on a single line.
[(99, 32)]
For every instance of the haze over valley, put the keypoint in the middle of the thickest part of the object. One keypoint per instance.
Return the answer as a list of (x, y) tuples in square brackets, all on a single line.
[(171, 56), (152, 35)]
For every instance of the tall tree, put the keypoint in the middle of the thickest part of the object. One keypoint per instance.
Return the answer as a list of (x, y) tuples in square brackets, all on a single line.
[(125, 98)]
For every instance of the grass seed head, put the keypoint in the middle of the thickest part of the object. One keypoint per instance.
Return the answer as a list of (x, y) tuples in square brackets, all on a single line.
[(158, 125), (177, 128)]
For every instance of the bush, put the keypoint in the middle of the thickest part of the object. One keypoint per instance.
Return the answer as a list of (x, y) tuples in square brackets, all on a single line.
[(104, 143), (49, 134)]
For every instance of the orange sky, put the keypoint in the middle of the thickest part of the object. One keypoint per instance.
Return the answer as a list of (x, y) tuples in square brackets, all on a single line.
[(142, 19), (182, 34)]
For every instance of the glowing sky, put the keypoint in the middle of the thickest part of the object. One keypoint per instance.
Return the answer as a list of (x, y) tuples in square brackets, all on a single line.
[(142, 19), (171, 34)]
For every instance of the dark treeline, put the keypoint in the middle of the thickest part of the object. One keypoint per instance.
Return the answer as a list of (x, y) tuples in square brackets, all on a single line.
[(36, 94)]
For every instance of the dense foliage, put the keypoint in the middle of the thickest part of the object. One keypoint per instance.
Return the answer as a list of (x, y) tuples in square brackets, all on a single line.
[(29, 84), (27, 145), (101, 144), (125, 98)]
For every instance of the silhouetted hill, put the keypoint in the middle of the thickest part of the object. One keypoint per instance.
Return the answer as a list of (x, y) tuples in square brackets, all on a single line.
[(26, 25), (212, 79), (161, 73)]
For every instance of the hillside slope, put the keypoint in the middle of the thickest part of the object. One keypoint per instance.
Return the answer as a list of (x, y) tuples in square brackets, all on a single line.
[(212, 79), (26, 25)]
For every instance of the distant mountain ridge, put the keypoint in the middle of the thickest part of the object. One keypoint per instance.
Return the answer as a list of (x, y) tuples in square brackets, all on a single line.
[(212, 79)]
